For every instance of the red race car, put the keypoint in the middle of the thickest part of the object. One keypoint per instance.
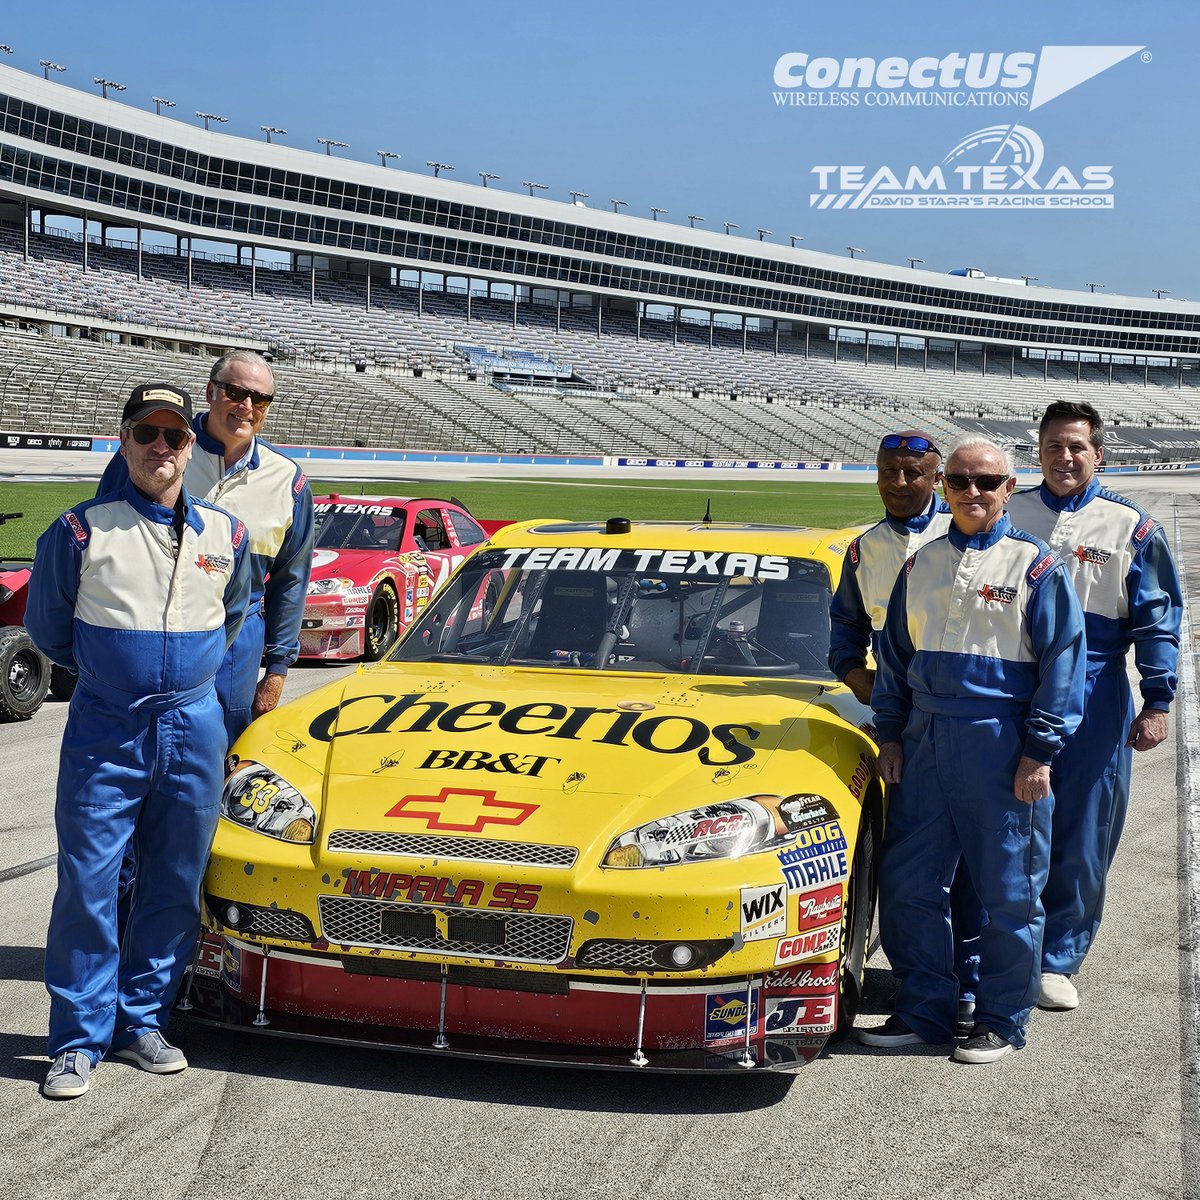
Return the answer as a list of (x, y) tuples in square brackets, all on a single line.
[(376, 562)]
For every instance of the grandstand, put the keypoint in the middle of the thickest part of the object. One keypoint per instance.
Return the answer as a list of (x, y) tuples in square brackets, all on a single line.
[(399, 311)]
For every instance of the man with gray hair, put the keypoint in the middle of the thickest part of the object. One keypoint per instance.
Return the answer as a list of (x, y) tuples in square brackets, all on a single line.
[(980, 681), (233, 467)]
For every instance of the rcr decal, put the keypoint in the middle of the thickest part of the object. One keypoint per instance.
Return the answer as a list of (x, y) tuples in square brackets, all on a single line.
[(718, 746), (375, 884)]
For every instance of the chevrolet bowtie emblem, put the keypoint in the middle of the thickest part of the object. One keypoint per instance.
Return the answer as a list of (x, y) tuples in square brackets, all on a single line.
[(459, 810)]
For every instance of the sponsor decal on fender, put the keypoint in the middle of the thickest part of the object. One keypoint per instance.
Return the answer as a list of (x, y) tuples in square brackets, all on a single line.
[(862, 773), (809, 873), (812, 977), (231, 967), (725, 1014), (805, 945), (819, 907), (801, 1015), (375, 884), (764, 912)]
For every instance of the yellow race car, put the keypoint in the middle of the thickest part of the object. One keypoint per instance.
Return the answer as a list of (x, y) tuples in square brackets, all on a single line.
[(603, 804)]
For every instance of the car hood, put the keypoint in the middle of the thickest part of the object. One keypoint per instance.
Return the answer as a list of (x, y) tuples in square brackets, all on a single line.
[(538, 755)]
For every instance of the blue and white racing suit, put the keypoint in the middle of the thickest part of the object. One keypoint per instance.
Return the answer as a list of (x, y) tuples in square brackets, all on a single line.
[(1121, 565), (859, 608), (981, 661), (144, 611), (271, 495)]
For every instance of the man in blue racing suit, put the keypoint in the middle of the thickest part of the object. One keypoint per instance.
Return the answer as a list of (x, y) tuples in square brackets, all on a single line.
[(907, 466), (980, 682), (139, 592), (233, 467), (1121, 565)]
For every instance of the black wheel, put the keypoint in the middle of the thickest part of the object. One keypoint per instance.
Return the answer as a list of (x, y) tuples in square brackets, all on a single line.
[(24, 675), (62, 682), (383, 623), (857, 919)]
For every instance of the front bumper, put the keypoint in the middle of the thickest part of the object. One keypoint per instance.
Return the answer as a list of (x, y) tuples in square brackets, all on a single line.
[(329, 631), (497, 1015)]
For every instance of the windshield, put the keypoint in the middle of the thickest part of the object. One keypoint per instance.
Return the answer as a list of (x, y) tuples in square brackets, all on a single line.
[(357, 527), (690, 611)]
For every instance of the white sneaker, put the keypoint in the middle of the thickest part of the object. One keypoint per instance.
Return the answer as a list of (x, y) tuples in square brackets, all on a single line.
[(1058, 992)]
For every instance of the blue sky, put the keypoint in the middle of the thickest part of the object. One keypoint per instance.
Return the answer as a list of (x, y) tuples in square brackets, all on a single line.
[(670, 104)]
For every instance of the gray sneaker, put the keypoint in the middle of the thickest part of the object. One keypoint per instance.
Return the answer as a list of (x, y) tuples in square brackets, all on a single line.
[(152, 1052), (68, 1076)]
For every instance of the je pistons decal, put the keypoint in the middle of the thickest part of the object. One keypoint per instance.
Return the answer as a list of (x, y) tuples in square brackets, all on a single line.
[(764, 912), (646, 562), (460, 811), (725, 1014), (996, 593), (802, 1014), (415, 712), (1091, 554)]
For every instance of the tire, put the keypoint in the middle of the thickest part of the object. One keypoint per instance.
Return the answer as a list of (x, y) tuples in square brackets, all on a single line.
[(24, 675), (858, 918), (382, 625), (62, 682)]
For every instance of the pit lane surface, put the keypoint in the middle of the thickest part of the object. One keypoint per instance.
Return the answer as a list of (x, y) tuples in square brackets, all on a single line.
[(1100, 1104)]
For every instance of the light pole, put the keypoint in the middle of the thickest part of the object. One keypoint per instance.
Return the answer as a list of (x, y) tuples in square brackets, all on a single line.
[(48, 66), (762, 233), (655, 211), (577, 196), (160, 102), (438, 167), (855, 250), (384, 155), (619, 204), (912, 262), (486, 175), (105, 84), (794, 238), (5, 49), (206, 117), (1029, 279), (1094, 286), (270, 129), (1160, 292), (693, 218), (329, 144), (730, 225), (528, 183)]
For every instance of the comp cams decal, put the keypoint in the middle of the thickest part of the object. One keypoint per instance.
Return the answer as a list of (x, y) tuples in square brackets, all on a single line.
[(805, 945)]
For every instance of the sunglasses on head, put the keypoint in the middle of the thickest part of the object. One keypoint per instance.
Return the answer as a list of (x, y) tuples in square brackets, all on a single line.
[(147, 435), (901, 441), (985, 483), (237, 394)]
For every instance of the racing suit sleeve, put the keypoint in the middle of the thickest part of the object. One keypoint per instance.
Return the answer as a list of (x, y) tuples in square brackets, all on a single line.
[(892, 697), (115, 476), (237, 590), (1055, 622), (287, 584), (850, 624), (53, 590), (1155, 611)]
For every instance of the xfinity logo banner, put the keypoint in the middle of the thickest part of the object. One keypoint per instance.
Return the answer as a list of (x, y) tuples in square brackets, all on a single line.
[(1001, 166), (1021, 79)]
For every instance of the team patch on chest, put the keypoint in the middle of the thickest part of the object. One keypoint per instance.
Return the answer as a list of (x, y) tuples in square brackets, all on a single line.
[(997, 593), (1091, 554)]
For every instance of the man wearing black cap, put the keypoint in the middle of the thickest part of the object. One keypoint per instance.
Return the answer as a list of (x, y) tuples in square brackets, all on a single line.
[(907, 467), (140, 592)]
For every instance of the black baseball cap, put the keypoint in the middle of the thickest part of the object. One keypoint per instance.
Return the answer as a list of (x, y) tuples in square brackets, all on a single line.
[(153, 397)]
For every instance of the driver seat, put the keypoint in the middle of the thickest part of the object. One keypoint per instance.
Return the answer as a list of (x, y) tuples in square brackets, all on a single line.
[(573, 613)]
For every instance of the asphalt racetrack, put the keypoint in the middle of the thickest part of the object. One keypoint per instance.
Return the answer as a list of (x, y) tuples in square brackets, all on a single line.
[(1101, 1103)]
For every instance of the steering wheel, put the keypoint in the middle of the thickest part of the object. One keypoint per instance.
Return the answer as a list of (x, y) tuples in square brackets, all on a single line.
[(740, 656)]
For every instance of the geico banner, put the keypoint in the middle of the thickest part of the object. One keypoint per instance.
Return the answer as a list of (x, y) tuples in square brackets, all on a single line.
[(43, 441), (726, 464)]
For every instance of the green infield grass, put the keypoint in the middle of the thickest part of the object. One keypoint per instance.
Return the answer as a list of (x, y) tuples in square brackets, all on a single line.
[(775, 501)]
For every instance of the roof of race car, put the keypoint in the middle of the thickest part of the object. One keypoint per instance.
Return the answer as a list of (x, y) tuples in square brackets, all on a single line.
[(357, 501), (786, 540)]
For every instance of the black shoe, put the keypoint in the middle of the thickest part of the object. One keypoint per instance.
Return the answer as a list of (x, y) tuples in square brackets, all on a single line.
[(892, 1034), (965, 1025), (983, 1046)]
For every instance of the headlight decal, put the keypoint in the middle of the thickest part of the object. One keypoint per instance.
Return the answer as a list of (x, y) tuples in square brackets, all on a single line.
[(728, 829), (255, 797)]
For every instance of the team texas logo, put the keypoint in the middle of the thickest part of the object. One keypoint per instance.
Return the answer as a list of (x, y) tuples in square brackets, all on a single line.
[(1091, 554), (998, 593)]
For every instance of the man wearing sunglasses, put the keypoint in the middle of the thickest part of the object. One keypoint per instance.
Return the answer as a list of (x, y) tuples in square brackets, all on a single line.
[(233, 467), (907, 467), (1120, 562), (140, 592), (980, 682)]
